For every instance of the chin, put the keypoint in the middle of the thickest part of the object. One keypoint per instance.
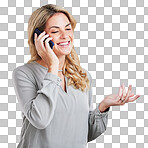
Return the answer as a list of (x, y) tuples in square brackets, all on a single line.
[(66, 52), (63, 51), (60, 52)]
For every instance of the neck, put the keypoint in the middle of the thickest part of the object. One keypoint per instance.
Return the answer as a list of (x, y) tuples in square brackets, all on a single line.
[(61, 62)]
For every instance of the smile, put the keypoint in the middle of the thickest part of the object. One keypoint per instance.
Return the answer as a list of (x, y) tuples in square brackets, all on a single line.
[(64, 44)]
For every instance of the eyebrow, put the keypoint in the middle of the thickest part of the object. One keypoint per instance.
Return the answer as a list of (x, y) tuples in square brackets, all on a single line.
[(59, 27)]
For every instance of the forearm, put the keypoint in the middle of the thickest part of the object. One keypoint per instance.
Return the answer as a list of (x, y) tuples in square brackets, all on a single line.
[(97, 123)]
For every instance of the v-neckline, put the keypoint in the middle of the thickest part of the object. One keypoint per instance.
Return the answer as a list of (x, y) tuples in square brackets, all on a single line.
[(66, 92)]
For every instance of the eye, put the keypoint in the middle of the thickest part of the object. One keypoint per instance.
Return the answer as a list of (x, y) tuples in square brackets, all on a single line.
[(54, 32), (68, 29)]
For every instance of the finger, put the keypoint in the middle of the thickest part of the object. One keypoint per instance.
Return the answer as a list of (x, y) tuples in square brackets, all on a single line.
[(134, 98), (119, 94), (128, 92), (35, 37), (43, 38), (124, 93), (47, 42), (131, 95), (120, 91), (41, 35)]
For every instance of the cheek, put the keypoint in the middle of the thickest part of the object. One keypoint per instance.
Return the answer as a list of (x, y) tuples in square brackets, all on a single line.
[(54, 38), (72, 35)]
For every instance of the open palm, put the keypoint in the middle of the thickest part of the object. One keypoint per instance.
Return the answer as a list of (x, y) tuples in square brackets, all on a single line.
[(121, 98)]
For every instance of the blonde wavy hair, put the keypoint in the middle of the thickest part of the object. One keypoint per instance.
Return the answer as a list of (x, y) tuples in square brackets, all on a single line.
[(71, 69)]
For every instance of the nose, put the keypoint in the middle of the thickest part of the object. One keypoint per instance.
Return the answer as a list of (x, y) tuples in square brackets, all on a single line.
[(63, 35)]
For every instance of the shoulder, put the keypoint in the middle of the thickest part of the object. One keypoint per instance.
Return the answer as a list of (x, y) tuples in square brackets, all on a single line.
[(88, 74), (25, 70)]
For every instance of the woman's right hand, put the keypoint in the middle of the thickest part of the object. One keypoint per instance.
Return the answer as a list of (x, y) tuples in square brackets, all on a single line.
[(44, 50)]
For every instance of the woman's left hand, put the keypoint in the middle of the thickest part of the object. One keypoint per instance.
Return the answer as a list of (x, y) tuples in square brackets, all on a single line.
[(118, 99)]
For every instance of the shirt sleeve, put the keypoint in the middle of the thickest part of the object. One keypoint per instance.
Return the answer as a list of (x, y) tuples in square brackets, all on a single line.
[(97, 121), (37, 105)]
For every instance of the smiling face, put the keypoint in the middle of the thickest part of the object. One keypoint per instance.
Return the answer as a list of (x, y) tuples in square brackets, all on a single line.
[(59, 28)]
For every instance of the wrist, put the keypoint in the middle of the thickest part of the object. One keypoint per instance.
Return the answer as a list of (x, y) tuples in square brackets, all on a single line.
[(53, 70), (102, 106)]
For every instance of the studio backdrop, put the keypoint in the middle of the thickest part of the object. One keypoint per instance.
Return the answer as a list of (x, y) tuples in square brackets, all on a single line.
[(111, 40)]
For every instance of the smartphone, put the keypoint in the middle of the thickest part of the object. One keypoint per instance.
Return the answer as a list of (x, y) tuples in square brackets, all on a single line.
[(38, 33)]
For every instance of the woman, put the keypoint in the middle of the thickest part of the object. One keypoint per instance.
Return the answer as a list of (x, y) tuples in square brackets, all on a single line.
[(54, 91)]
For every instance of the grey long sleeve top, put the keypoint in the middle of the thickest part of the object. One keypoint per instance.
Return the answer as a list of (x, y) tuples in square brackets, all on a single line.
[(53, 118)]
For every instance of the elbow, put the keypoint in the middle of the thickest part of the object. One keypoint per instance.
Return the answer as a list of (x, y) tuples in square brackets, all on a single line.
[(39, 119), (95, 131), (40, 125), (39, 122)]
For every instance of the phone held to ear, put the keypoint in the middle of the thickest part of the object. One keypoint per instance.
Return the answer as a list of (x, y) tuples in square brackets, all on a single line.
[(38, 33)]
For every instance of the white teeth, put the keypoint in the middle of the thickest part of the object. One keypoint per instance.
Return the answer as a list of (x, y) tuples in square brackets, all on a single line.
[(64, 43)]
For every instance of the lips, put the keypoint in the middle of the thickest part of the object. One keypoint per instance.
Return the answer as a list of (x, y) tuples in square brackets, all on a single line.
[(64, 44)]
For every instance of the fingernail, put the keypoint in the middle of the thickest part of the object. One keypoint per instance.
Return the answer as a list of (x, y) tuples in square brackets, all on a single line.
[(130, 86)]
